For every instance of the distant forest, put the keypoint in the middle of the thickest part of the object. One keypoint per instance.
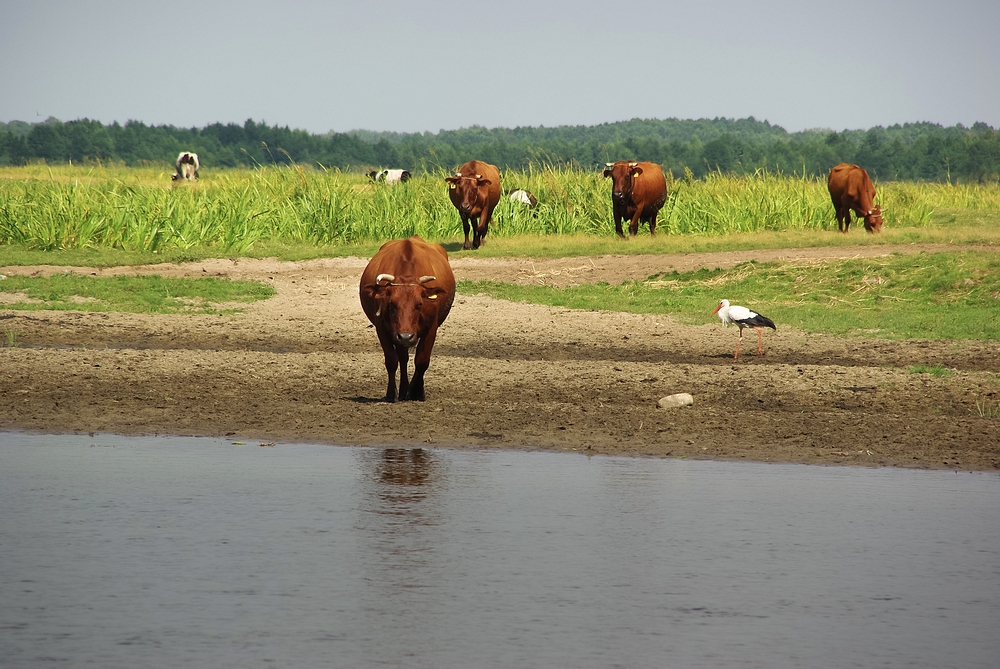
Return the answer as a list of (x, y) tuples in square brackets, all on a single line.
[(913, 151)]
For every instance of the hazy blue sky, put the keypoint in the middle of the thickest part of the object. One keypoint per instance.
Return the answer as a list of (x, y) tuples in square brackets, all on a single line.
[(417, 66)]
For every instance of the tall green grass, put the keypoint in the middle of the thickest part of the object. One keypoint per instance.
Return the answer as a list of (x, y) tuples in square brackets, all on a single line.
[(140, 209)]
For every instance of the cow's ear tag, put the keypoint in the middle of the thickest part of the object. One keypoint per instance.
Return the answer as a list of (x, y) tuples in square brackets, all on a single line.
[(432, 297), (451, 186)]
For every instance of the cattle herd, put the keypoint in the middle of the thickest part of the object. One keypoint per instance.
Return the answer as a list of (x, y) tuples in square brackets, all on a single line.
[(638, 192), (408, 287)]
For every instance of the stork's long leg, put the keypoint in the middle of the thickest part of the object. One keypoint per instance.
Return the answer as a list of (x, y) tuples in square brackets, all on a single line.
[(738, 344), (760, 340)]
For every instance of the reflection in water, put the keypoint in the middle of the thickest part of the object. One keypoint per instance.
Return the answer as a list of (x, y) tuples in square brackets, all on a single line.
[(399, 510), (166, 552), (400, 482), (403, 469)]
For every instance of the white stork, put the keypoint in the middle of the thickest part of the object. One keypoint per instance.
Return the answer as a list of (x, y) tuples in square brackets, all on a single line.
[(744, 318)]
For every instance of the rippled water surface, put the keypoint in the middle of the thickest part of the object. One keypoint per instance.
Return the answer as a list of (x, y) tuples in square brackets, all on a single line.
[(163, 552)]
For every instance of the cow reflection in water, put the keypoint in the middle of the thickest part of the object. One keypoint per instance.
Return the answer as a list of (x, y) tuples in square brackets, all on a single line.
[(403, 478), (403, 513), (405, 466)]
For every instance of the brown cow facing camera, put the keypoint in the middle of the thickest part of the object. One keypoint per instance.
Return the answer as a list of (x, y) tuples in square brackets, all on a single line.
[(406, 292), (475, 192), (852, 190), (638, 192)]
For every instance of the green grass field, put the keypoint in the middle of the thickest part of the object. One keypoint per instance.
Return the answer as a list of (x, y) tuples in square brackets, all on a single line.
[(113, 216), (291, 212), (926, 296), (144, 294)]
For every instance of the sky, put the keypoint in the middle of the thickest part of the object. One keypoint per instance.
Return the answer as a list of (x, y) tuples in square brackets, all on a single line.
[(412, 66)]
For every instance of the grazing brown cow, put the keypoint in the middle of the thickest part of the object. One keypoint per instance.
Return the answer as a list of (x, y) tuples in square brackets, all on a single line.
[(850, 188), (406, 292), (638, 191), (475, 192)]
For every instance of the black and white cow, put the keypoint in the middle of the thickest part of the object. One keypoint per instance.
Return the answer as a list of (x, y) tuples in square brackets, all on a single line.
[(389, 176), (187, 167), (523, 196)]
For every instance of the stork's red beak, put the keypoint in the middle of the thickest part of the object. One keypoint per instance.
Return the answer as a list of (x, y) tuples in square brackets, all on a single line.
[(717, 310)]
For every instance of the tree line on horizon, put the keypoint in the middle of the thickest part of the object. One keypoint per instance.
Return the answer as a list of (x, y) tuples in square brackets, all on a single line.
[(908, 152)]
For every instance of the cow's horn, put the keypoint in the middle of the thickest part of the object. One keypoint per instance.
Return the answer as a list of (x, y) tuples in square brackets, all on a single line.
[(633, 164), (425, 279), (479, 176), (386, 277), (609, 164), (458, 174)]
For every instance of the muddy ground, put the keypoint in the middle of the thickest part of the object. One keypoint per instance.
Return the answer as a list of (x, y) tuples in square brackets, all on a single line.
[(305, 366)]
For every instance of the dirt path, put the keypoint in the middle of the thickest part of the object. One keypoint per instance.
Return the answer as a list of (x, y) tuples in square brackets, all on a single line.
[(305, 366)]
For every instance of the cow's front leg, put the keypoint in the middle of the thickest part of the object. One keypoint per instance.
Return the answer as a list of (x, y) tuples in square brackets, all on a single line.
[(465, 227), (618, 225), (633, 226), (484, 225), (404, 382), (391, 364), (421, 361), (477, 237)]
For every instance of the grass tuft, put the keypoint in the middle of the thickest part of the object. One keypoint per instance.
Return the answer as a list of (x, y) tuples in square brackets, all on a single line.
[(933, 370), (987, 411), (13, 338)]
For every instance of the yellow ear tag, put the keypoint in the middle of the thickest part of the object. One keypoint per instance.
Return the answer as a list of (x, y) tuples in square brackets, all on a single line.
[(451, 186), (432, 297)]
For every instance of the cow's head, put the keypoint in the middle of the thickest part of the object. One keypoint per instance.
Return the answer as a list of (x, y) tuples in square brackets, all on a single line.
[(468, 190), (373, 175), (622, 176), (873, 219), (405, 305)]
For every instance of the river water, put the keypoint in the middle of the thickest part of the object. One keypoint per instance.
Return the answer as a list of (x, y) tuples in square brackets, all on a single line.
[(166, 552)]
